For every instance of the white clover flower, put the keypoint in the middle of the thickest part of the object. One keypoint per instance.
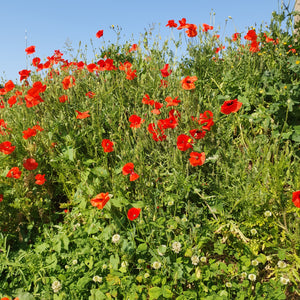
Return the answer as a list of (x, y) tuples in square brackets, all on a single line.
[(284, 280), (244, 274), (67, 267), (115, 238), (74, 262), (197, 225), (253, 231), (254, 262), (104, 266), (281, 264), (156, 265), (203, 259), (252, 277), (268, 213), (228, 284), (146, 275), (124, 264), (56, 286), (97, 278), (184, 219), (195, 260), (171, 202), (176, 247)]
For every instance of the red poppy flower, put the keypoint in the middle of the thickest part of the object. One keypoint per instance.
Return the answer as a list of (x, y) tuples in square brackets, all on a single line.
[(90, 94), (146, 100), (68, 82), (63, 98), (164, 71), (128, 169), (188, 82), (91, 67), (207, 27), (230, 106), (38, 127), (29, 133), (133, 213), (236, 36), (172, 102), (296, 198), (6, 147), (164, 83), (14, 173), (99, 34), (191, 30), (135, 121), (36, 61), (197, 159), (171, 23), (82, 115), (1, 197), (156, 135), (30, 164), (170, 122), (197, 134), (205, 119), (130, 75), (30, 50), (134, 47), (184, 142), (100, 200), (9, 85), (40, 179), (157, 107), (24, 74), (126, 66), (182, 23), (251, 35), (107, 145), (254, 47)]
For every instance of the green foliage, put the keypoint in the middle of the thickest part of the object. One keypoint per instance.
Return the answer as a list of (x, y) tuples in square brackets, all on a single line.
[(226, 229)]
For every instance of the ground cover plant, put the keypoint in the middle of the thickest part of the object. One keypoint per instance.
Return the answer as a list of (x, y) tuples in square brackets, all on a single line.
[(143, 176)]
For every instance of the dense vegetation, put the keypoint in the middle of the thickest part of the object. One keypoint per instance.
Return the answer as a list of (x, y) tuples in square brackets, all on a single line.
[(143, 176)]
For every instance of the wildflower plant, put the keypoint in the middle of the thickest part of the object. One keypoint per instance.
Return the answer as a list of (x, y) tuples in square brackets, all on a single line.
[(139, 175)]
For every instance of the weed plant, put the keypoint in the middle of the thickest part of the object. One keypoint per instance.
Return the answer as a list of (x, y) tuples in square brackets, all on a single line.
[(143, 176)]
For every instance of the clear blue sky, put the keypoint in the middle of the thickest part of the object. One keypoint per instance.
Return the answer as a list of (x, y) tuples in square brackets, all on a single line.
[(49, 24)]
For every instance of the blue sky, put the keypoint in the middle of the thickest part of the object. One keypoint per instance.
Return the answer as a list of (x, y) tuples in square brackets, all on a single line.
[(49, 24)]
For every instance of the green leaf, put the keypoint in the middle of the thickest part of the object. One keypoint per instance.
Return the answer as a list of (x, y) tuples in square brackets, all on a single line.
[(142, 247), (114, 260), (82, 282), (155, 292), (167, 293)]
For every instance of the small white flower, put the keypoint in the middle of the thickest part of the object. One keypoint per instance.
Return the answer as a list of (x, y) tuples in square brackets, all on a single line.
[(124, 264), (284, 280), (104, 266), (253, 231), (115, 238), (268, 213), (254, 262), (197, 225), (252, 277), (156, 265), (195, 260), (146, 275), (56, 286), (67, 267), (176, 247), (228, 284), (281, 264), (184, 219), (171, 202), (203, 259), (74, 262), (244, 274), (97, 278)]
